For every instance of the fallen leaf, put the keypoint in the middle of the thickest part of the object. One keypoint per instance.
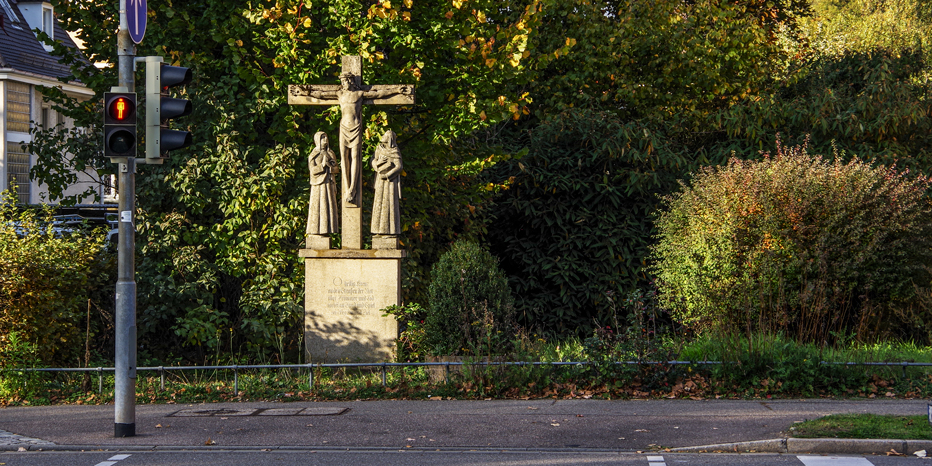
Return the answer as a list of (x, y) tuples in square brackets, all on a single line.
[(893, 452), (209, 442), (580, 415), (555, 424), (410, 439), (641, 430), (158, 426), (21, 449), (309, 425), (531, 407)]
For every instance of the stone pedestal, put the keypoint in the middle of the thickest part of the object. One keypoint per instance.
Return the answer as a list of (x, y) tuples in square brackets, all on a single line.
[(344, 291)]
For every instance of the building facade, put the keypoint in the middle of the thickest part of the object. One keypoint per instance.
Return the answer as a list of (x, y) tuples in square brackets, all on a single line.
[(26, 64)]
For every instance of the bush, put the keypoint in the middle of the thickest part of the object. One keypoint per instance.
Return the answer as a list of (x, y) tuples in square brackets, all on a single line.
[(48, 282), (471, 308), (797, 244), (575, 222)]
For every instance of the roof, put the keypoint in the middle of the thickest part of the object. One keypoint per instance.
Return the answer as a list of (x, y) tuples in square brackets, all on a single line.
[(21, 50)]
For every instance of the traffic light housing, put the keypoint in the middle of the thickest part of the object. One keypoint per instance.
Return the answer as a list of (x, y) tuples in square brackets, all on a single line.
[(120, 124), (161, 108)]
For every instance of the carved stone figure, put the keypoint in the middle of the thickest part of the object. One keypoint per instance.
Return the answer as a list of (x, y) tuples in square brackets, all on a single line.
[(351, 99), (386, 210), (322, 214)]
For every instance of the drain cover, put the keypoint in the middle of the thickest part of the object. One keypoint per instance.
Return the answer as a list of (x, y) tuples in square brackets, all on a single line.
[(200, 412)]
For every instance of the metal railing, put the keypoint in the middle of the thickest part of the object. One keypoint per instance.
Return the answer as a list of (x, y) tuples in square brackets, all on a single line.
[(384, 366)]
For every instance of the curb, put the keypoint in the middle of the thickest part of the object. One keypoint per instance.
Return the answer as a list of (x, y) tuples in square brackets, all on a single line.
[(814, 445), (296, 448)]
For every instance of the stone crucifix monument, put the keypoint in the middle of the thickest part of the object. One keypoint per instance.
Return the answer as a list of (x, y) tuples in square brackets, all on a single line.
[(346, 288)]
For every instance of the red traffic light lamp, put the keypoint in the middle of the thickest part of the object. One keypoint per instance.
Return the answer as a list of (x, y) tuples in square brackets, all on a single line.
[(120, 124)]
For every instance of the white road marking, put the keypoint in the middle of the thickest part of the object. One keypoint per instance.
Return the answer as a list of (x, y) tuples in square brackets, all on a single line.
[(834, 461), (112, 460), (655, 461)]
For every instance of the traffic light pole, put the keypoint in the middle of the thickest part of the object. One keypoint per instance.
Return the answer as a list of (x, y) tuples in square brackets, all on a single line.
[(124, 391)]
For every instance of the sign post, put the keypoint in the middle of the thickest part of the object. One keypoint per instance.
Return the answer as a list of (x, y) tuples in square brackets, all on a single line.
[(124, 377)]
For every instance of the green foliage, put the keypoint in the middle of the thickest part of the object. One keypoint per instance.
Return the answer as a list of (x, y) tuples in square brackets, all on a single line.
[(773, 363), (657, 58), (413, 334), (574, 222), (794, 243), (48, 281), (471, 307), (18, 354), (690, 82), (840, 26), (220, 222)]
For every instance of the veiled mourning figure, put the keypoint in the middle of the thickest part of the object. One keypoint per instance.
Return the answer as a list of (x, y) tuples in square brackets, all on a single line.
[(386, 210), (322, 216)]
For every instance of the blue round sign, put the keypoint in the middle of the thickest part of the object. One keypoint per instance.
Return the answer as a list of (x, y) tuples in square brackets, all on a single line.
[(136, 19)]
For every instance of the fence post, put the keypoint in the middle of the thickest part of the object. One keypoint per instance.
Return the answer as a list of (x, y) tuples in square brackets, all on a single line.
[(310, 378), (446, 373), (383, 374), (162, 378), (100, 380), (235, 381)]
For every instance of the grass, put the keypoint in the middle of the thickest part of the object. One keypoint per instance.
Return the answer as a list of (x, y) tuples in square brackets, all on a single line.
[(766, 366), (865, 426)]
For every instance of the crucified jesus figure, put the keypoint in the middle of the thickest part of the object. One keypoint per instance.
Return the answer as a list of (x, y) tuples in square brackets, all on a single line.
[(351, 98)]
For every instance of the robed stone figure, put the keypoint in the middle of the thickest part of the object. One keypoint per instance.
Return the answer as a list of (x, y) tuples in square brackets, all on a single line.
[(322, 215), (351, 98), (386, 210)]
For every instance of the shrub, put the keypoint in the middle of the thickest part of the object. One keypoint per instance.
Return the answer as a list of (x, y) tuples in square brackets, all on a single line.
[(795, 243), (471, 308), (575, 222), (46, 282), (409, 346)]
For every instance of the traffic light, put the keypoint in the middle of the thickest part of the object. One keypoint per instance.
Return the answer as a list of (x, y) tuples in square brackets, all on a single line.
[(120, 124), (161, 108)]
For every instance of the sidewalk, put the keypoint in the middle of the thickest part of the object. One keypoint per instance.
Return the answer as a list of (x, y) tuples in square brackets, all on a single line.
[(502, 424)]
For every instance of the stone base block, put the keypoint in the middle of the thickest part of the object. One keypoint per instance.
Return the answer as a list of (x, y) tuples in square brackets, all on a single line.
[(342, 303), (384, 242), (318, 242)]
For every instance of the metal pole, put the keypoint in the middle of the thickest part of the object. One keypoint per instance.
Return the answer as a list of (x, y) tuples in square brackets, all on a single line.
[(124, 391)]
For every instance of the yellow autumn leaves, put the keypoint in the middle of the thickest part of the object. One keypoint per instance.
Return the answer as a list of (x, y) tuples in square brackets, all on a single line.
[(385, 10)]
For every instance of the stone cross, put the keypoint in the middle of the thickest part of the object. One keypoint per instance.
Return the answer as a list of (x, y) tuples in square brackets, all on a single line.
[(351, 95)]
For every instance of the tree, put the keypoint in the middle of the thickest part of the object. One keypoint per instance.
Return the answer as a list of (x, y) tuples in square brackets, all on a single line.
[(220, 223)]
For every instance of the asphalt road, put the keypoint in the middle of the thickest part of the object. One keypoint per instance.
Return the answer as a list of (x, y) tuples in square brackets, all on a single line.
[(459, 458)]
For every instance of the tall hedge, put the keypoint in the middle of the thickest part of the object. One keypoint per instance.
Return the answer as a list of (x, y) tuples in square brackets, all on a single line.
[(798, 244), (54, 287), (575, 222)]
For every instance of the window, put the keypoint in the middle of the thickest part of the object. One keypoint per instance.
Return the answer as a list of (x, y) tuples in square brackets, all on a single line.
[(18, 108), (17, 169), (48, 22), (8, 12)]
